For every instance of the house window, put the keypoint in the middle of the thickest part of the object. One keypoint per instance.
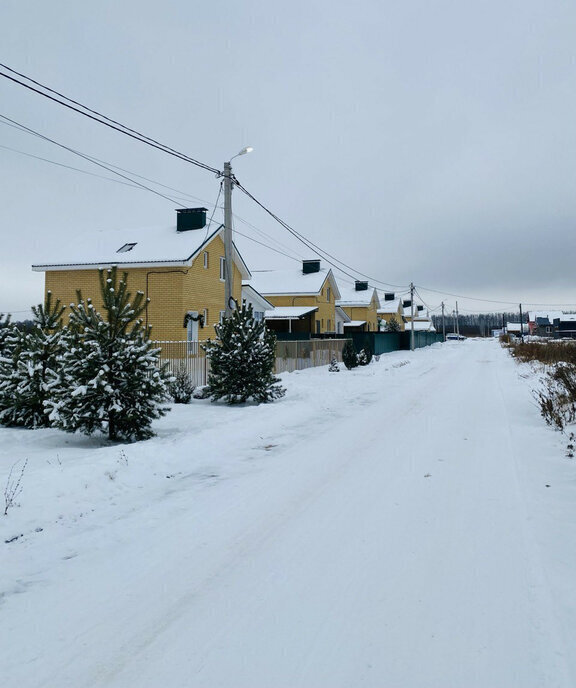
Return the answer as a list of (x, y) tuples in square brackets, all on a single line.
[(328, 294), (222, 314), (205, 317), (258, 316), (126, 248), (548, 329), (222, 268), (318, 326), (328, 323), (206, 260)]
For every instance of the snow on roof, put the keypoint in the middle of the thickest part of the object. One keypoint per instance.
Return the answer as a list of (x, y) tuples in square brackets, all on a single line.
[(550, 315), (515, 327), (390, 306), (350, 297), (276, 282), (158, 246), (354, 323), (288, 312), (420, 326)]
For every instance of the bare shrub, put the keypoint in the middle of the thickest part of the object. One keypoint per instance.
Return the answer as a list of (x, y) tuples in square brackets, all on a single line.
[(557, 399), (13, 487)]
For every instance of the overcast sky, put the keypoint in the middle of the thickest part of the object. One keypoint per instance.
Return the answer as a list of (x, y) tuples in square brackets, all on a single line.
[(431, 141)]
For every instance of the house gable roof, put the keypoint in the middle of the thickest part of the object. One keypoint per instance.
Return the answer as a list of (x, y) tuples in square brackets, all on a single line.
[(293, 282), (349, 297), (133, 248), (250, 294)]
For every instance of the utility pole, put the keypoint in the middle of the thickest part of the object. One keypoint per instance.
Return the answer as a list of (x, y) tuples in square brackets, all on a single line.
[(228, 258), (411, 316), (443, 324), (228, 261), (457, 323), (521, 326)]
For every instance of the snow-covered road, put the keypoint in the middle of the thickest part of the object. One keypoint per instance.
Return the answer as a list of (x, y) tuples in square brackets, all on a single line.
[(392, 535)]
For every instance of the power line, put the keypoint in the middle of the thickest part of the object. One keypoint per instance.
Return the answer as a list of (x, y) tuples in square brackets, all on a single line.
[(102, 119), (509, 303), (87, 157), (69, 167), (311, 245), (134, 184)]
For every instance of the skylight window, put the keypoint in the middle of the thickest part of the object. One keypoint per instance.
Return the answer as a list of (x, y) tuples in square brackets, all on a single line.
[(126, 248)]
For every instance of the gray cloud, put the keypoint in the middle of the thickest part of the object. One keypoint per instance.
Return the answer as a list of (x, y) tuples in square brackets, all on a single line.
[(432, 142)]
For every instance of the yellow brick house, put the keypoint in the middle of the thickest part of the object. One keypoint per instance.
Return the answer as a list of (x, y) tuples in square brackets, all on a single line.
[(391, 307), (361, 303), (180, 268), (304, 299)]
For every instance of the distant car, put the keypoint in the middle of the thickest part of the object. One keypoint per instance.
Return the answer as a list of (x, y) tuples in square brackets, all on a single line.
[(453, 336)]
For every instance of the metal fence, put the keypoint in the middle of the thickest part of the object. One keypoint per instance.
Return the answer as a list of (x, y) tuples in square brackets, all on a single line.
[(191, 357), (185, 356), (299, 355)]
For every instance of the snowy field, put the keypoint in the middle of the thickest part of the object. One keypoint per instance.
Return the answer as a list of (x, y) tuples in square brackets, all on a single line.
[(411, 524)]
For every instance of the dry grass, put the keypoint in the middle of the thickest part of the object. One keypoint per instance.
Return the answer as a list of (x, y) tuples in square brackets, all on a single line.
[(548, 353)]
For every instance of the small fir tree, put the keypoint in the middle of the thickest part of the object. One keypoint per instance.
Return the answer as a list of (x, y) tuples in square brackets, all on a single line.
[(112, 383), (393, 325), (349, 355), (364, 357), (333, 367), (181, 387), (242, 360), (32, 370)]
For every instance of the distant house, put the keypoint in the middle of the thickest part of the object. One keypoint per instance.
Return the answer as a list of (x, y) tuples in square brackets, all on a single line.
[(360, 303), (418, 311), (541, 323), (180, 268), (304, 299), (565, 326), (420, 325), (390, 307)]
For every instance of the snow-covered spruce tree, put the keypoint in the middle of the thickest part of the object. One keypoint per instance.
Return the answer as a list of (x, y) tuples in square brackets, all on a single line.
[(32, 368), (349, 355), (365, 355), (181, 386), (392, 325), (112, 382), (6, 328), (242, 360)]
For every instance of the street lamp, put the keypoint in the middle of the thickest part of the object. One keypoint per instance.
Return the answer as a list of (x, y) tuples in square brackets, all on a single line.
[(228, 263)]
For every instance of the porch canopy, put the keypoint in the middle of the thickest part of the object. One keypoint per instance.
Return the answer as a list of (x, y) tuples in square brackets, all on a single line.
[(290, 313), (355, 325)]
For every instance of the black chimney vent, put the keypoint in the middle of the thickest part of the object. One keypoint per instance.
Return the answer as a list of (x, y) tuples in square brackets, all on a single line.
[(361, 286), (406, 304), (190, 218), (309, 266), (420, 308), (389, 297)]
